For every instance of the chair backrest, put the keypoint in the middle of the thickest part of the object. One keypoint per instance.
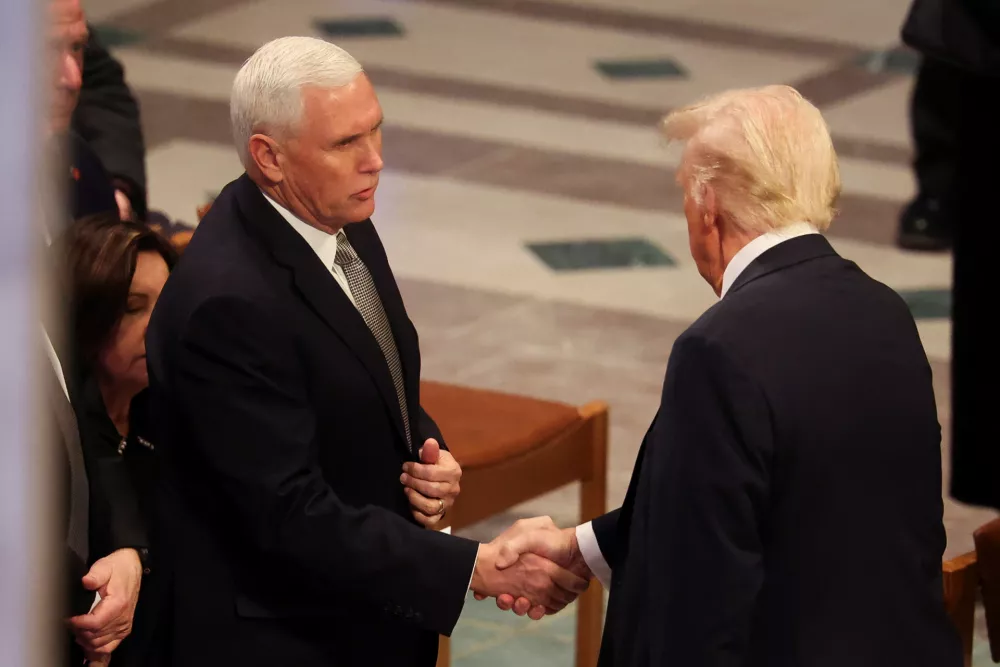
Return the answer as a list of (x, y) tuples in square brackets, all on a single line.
[(988, 556)]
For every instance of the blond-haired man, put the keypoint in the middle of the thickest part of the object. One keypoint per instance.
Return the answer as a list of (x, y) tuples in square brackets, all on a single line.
[(785, 509)]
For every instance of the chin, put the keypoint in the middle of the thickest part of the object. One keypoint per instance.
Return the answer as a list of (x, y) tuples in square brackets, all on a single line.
[(363, 210)]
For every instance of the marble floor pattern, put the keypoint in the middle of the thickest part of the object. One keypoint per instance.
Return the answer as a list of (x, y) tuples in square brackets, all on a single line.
[(528, 206)]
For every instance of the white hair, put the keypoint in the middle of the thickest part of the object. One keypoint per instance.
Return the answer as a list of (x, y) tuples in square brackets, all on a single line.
[(766, 153), (267, 92)]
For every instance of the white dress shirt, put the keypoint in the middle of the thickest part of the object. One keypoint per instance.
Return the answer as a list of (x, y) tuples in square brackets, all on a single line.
[(50, 350), (322, 243), (751, 251), (590, 549)]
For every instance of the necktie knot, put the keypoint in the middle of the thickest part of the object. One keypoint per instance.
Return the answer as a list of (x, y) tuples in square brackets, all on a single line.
[(345, 252)]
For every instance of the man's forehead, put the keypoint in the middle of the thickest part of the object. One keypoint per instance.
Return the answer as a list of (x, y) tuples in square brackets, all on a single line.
[(67, 14), (352, 107)]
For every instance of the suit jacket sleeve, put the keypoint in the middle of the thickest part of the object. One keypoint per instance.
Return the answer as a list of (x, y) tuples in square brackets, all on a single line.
[(252, 429), (608, 538), (107, 117), (429, 429), (706, 478)]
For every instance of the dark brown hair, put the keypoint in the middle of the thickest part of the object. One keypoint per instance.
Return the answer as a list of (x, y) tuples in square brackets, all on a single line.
[(102, 252)]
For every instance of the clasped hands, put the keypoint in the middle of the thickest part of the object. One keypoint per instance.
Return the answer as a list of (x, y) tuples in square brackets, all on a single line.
[(531, 568)]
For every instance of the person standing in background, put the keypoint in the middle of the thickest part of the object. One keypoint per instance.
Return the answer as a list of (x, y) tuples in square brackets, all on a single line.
[(116, 272), (107, 119), (965, 34), (112, 569)]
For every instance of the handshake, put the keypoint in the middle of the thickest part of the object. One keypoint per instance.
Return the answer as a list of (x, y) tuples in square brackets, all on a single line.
[(532, 568)]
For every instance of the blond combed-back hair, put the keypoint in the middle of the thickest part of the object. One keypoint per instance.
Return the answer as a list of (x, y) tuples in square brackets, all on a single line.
[(765, 152)]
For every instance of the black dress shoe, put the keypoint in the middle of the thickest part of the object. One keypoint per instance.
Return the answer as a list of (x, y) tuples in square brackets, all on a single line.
[(924, 226)]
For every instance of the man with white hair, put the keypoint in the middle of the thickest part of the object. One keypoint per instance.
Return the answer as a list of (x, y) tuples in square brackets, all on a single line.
[(301, 471), (785, 509)]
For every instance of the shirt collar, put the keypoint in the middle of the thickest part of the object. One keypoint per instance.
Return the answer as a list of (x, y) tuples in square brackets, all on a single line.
[(322, 243), (751, 251)]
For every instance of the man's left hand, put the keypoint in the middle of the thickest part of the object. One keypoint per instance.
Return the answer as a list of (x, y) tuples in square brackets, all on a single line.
[(117, 578), (433, 484)]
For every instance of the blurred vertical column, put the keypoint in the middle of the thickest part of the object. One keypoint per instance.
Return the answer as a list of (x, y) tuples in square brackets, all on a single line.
[(29, 575)]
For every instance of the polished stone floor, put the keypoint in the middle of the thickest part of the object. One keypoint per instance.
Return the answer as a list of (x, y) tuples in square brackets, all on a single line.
[(528, 206)]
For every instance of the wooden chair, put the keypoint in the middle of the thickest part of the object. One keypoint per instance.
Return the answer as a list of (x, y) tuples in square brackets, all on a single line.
[(513, 449), (961, 581), (968, 575)]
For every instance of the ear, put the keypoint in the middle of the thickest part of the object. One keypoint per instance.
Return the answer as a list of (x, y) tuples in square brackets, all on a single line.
[(709, 209), (264, 152)]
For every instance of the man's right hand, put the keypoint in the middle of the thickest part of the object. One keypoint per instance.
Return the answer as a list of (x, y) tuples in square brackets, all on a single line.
[(538, 584), (539, 536)]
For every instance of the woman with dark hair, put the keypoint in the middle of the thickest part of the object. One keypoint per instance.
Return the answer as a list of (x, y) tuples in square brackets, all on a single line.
[(115, 272)]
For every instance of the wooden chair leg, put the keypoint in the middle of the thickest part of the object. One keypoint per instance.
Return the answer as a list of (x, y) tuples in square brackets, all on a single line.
[(593, 503), (961, 579), (444, 651)]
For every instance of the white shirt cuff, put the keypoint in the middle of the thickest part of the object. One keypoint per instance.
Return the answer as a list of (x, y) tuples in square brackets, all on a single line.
[(591, 551), (473, 573)]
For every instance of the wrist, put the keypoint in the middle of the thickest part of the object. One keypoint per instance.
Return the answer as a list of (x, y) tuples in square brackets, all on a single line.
[(484, 559), (577, 563), (129, 556)]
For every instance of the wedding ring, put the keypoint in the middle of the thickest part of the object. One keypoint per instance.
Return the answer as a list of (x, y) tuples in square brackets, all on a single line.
[(441, 508)]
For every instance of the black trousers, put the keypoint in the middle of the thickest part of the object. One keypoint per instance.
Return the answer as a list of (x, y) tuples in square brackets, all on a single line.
[(935, 119), (975, 474)]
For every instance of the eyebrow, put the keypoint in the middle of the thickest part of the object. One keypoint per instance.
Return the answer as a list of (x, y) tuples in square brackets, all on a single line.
[(347, 140)]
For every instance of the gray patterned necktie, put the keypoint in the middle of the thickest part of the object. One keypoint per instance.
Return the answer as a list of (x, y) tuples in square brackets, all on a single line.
[(370, 306)]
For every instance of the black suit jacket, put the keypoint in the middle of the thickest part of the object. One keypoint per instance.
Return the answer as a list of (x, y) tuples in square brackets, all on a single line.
[(90, 189), (107, 117), (785, 510), (116, 524), (283, 443)]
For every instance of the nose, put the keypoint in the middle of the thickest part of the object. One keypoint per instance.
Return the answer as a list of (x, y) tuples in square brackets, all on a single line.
[(70, 75), (372, 162)]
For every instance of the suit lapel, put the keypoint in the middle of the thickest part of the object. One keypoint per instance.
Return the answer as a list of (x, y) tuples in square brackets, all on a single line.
[(319, 290)]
